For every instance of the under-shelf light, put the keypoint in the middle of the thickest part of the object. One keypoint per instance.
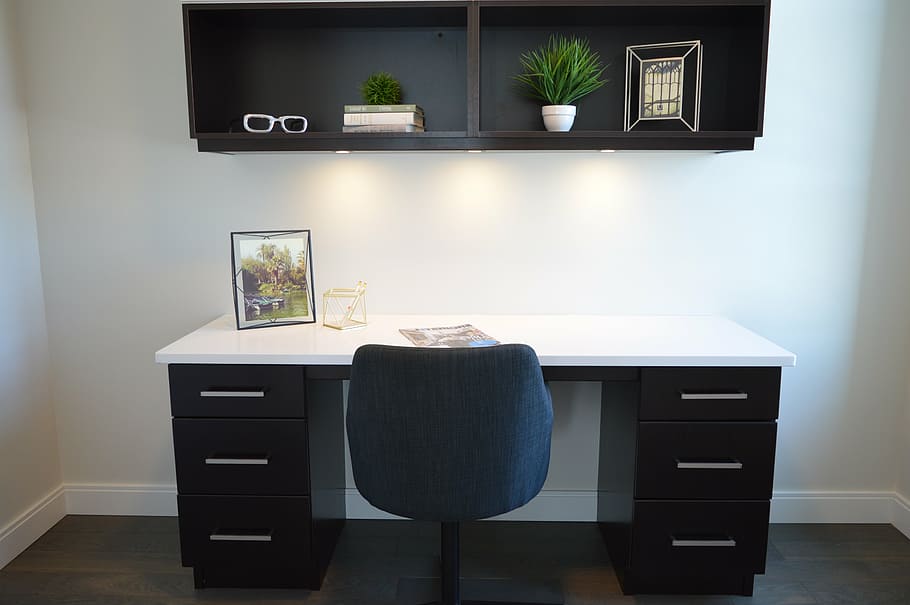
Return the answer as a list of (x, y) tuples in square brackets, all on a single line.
[(474, 150), (608, 151), (342, 151)]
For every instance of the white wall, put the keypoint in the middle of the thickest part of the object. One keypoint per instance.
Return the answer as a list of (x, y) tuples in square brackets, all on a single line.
[(882, 341), (903, 484), (29, 461), (134, 224), (888, 247)]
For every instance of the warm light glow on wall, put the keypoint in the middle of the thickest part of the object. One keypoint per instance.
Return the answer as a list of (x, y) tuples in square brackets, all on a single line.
[(476, 195), (351, 189), (602, 189), (473, 187)]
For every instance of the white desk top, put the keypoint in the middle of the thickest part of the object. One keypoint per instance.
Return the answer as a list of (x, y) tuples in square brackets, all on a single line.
[(560, 340)]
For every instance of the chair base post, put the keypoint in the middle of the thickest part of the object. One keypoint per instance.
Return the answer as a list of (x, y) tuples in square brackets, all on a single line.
[(449, 554)]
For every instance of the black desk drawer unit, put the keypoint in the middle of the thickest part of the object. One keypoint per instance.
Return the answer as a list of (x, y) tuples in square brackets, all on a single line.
[(687, 463), (241, 456), (713, 460), (265, 532), (237, 391), (709, 393), (686, 537), (259, 503)]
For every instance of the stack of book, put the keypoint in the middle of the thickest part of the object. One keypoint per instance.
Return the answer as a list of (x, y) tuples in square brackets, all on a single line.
[(383, 118)]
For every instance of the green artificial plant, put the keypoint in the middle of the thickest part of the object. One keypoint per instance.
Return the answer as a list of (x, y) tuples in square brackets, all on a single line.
[(562, 71), (381, 88)]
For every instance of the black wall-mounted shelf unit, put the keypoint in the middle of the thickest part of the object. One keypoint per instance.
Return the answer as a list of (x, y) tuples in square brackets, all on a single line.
[(456, 59)]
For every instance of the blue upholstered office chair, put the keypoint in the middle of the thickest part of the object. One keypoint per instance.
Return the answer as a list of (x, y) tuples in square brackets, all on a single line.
[(448, 435)]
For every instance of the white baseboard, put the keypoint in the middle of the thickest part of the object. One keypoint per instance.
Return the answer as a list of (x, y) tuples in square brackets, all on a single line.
[(901, 515), (31, 525), (786, 507), (549, 505), (833, 507), (121, 499)]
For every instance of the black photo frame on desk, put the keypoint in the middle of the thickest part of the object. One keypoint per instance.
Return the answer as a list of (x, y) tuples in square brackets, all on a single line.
[(272, 278)]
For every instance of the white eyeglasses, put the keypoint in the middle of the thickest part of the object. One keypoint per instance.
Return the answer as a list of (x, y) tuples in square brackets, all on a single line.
[(260, 122)]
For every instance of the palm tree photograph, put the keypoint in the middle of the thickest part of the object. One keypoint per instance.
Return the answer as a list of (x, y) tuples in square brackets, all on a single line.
[(272, 278)]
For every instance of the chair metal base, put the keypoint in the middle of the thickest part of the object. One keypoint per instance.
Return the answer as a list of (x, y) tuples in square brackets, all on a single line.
[(448, 589), (490, 603), (484, 591)]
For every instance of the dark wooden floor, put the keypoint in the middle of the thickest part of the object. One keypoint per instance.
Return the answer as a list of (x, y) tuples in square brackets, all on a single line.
[(135, 560)]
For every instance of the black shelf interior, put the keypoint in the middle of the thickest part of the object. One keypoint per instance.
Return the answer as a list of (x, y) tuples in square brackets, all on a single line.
[(311, 61), (731, 76), (457, 60)]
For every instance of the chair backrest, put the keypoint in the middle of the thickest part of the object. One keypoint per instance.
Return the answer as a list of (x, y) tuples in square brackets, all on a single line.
[(448, 434)]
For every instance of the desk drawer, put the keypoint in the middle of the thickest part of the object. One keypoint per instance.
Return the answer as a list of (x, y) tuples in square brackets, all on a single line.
[(697, 537), (709, 393), (241, 391), (720, 460), (244, 531), (241, 456)]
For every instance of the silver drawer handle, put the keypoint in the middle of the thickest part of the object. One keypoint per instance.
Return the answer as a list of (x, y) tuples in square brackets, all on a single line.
[(237, 461), (691, 395), (259, 393), (728, 543), (718, 466), (216, 537)]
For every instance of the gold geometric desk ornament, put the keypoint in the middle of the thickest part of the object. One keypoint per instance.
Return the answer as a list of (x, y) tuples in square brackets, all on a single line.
[(345, 308)]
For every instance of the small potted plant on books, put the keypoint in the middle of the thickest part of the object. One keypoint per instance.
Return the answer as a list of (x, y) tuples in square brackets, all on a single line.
[(381, 88), (559, 73), (383, 111)]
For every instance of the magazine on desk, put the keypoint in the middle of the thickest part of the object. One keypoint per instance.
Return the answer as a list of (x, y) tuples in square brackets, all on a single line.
[(464, 335)]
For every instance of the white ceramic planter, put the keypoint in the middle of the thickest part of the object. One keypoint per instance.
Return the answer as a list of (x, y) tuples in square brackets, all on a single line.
[(558, 118)]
